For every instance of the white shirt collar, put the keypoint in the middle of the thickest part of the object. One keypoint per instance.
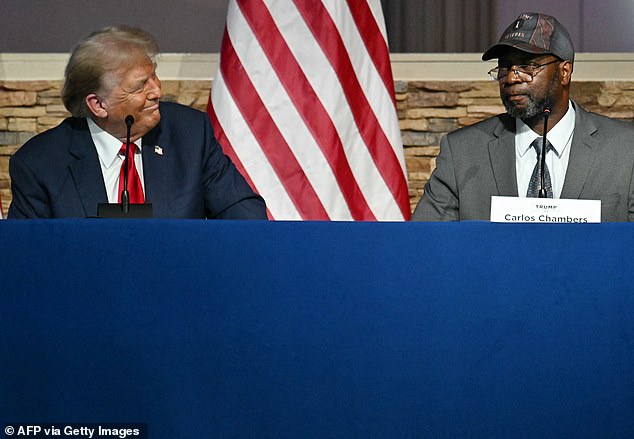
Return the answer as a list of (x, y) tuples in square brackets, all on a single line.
[(559, 135), (107, 145)]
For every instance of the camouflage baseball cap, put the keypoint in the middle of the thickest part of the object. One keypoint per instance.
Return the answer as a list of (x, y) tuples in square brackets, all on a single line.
[(534, 33)]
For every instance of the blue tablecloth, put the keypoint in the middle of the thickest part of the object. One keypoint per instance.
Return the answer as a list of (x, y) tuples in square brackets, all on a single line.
[(234, 329)]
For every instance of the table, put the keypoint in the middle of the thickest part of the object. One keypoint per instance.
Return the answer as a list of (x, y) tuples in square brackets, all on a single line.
[(247, 329)]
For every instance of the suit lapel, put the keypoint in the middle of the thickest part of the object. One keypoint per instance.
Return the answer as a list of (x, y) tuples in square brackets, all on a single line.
[(85, 169), (502, 155), (582, 155), (155, 172)]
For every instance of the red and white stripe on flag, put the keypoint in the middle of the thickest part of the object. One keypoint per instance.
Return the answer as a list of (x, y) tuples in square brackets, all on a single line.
[(303, 103)]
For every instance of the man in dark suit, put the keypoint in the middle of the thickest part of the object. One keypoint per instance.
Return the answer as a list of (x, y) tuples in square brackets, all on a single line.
[(178, 166), (588, 157)]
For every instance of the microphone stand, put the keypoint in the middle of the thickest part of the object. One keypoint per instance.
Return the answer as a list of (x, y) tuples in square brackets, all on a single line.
[(124, 209), (125, 196), (542, 164)]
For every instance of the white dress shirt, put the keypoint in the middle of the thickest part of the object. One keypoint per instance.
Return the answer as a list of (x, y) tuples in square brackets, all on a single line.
[(560, 136), (110, 160)]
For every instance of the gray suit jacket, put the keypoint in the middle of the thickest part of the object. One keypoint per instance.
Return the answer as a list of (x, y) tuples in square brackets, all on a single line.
[(478, 161)]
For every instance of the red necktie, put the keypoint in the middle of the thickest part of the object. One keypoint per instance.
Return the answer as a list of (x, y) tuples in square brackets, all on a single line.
[(135, 188)]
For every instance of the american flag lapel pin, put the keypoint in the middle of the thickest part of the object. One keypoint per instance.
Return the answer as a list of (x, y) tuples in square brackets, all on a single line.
[(158, 150)]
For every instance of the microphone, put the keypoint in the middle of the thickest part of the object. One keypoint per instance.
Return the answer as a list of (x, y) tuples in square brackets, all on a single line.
[(542, 163), (125, 209), (125, 196)]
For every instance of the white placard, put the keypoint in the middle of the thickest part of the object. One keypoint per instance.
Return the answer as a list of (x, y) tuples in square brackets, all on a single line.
[(544, 210)]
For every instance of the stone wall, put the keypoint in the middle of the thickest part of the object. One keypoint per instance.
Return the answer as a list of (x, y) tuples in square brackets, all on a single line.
[(427, 110)]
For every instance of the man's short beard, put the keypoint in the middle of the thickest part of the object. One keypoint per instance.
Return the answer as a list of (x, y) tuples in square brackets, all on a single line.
[(531, 110), (534, 107)]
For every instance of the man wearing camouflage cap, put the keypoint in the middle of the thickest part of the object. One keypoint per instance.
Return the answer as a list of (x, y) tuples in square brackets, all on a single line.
[(588, 156)]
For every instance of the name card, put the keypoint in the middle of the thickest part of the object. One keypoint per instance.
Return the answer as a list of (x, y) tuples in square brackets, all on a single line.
[(544, 210)]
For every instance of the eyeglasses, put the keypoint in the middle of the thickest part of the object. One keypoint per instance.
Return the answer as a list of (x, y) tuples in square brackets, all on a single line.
[(524, 72)]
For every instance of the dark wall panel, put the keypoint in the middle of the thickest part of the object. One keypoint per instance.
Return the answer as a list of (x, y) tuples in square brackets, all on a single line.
[(595, 26), (439, 25), (615, 15), (413, 25), (55, 25)]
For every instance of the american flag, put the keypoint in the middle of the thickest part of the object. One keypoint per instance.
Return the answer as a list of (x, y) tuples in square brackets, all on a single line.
[(303, 103)]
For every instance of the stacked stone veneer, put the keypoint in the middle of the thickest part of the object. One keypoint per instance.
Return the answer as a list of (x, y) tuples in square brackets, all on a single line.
[(426, 109)]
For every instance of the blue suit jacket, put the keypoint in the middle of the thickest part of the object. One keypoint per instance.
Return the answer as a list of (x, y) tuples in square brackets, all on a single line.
[(57, 174)]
